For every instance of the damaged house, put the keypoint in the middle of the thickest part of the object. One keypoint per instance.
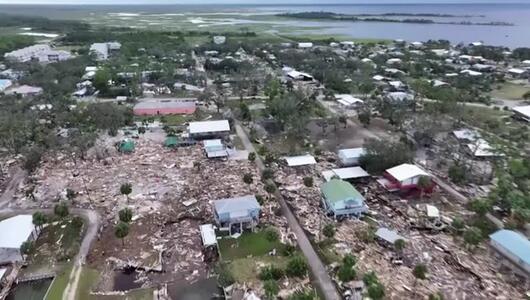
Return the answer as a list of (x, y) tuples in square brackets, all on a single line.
[(236, 214), (341, 199), (405, 177)]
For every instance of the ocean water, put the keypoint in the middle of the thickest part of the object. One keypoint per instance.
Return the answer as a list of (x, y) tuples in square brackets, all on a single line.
[(510, 36)]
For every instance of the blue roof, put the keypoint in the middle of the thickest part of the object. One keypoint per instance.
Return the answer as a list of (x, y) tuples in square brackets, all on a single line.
[(514, 242)]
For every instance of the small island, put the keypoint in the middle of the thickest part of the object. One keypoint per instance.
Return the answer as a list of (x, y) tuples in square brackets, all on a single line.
[(418, 18)]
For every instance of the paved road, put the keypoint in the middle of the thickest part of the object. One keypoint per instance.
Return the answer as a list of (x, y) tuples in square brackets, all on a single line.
[(318, 269), (93, 220), (12, 186)]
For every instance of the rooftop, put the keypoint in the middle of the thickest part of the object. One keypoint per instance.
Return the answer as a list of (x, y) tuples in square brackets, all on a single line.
[(514, 242), (15, 231), (235, 205), (209, 126), (302, 160), (337, 190), (388, 235), (406, 171)]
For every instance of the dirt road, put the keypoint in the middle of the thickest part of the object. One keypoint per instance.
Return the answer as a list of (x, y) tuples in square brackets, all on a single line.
[(318, 269)]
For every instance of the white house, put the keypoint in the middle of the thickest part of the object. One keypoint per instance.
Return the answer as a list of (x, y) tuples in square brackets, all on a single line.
[(209, 128), (348, 100), (302, 160), (516, 72), (350, 156), (295, 75), (104, 50), (4, 84), (14, 232), (24, 91), (41, 52), (522, 112), (305, 45), (219, 39)]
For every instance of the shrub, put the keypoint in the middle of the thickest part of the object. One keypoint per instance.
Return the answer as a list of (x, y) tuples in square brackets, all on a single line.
[(329, 231), (457, 174), (271, 289), (125, 215), (260, 199), (77, 222), (297, 267), (420, 271), (308, 181), (288, 250), (61, 210), (247, 178), (225, 275), (267, 174), (252, 156), (271, 273), (271, 235), (346, 273), (26, 247)]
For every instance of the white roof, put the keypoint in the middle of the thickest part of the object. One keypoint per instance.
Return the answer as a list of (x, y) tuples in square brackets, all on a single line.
[(400, 96), (347, 99), (296, 74), (406, 171), (432, 211), (451, 74), (437, 83), (15, 231), (2, 272), (378, 77), (471, 72), (305, 45), (466, 134), (516, 71), (523, 110), (526, 62), (302, 160), (345, 173), (209, 126), (208, 235), (388, 235), (351, 152), (396, 84), (212, 143), (481, 148)]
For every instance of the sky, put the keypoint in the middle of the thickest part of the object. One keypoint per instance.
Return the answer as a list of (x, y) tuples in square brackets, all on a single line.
[(195, 2)]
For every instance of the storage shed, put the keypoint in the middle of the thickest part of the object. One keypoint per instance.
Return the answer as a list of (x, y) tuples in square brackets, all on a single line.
[(340, 198), (514, 247), (350, 157)]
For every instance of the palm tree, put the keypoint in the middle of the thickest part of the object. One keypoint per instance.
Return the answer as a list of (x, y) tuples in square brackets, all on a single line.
[(126, 189), (121, 231), (39, 219), (125, 215), (424, 182)]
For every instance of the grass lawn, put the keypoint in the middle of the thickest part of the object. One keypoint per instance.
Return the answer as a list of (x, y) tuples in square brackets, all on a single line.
[(247, 269), (510, 91), (59, 283), (248, 244), (87, 279)]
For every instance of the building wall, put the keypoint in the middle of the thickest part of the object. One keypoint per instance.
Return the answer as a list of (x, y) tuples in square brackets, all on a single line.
[(508, 255), (164, 111)]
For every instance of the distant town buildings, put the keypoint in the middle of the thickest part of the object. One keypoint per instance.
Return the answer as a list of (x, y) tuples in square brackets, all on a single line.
[(41, 52), (102, 51)]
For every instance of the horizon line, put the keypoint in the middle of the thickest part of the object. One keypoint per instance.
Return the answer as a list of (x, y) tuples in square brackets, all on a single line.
[(262, 4)]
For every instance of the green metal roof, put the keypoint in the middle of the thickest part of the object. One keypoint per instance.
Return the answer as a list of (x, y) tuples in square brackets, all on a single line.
[(336, 191), (171, 141)]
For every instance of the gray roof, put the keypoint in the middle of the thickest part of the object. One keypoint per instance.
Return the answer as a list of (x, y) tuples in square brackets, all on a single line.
[(234, 205), (388, 235)]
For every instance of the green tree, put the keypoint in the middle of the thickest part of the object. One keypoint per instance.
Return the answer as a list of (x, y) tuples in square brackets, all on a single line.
[(101, 81), (436, 296), (121, 231), (271, 289), (247, 178), (61, 210), (296, 267), (77, 222), (271, 273), (472, 236), (39, 219), (126, 189), (365, 117), (381, 154), (458, 224), (245, 112), (308, 181), (26, 247), (399, 245), (347, 270), (307, 294), (424, 182), (270, 188), (267, 174), (329, 230), (252, 156), (480, 207), (376, 291), (70, 195), (420, 271), (125, 215)]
